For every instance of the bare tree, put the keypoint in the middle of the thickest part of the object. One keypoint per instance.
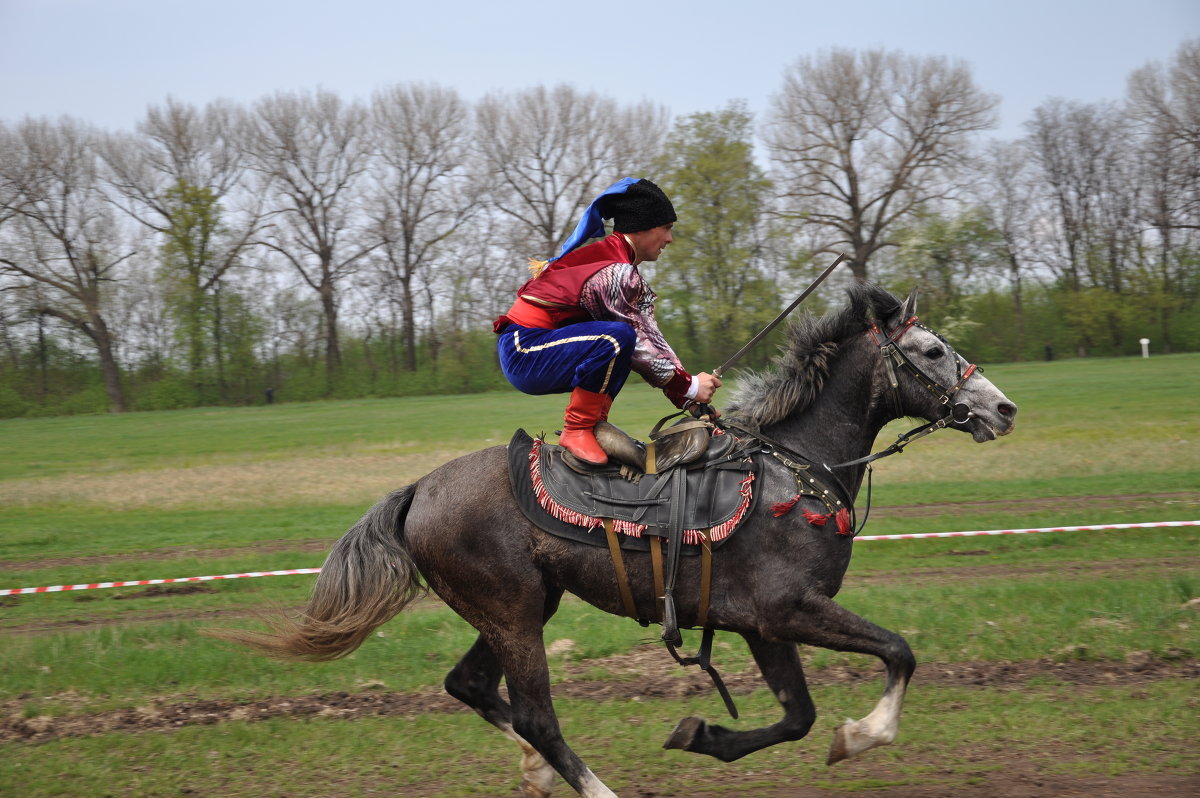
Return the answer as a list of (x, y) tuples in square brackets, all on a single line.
[(549, 152), (1079, 152), (862, 140), (1007, 192), (1164, 103), (176, 178), (176, 143), (423, 191), (310, 153), (61, 235)]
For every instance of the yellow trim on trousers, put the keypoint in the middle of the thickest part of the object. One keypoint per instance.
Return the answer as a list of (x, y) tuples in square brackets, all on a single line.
[(574, 339)]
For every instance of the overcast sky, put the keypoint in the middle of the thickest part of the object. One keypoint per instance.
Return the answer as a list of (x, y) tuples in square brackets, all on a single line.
[(105, 61)]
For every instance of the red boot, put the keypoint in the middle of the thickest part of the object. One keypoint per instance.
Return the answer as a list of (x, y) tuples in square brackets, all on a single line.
[(582, 414), (605, 406)]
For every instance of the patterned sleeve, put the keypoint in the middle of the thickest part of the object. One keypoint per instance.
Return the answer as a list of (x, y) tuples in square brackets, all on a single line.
[(618, 293)]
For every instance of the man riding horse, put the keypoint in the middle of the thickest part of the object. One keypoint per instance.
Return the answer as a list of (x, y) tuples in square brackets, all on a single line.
[(586, 318)]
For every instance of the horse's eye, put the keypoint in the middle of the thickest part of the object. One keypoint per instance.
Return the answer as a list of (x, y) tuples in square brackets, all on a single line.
[(934, 352)]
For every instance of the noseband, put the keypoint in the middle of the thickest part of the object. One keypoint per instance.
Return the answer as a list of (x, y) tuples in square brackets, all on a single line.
[(893, 356)]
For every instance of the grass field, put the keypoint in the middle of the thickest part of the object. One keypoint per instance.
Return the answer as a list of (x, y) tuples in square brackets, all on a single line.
[(1083, 646)]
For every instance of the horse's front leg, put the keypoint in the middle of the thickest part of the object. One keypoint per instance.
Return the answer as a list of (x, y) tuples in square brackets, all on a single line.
[(822, 622), (781, 667)]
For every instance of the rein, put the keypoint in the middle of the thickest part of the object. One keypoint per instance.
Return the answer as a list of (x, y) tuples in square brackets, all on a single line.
[(893, 357)]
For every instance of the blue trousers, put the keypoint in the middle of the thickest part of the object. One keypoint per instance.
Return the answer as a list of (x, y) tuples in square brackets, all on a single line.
[(593, 355)]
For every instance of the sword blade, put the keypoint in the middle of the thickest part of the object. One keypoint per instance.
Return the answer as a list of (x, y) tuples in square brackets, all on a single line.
[(717, 372)]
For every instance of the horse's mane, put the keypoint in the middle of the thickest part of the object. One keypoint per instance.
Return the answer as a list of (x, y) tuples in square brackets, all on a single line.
[(799, 371)]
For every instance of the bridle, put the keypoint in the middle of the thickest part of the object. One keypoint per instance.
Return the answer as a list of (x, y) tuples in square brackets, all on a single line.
[(893, 357)]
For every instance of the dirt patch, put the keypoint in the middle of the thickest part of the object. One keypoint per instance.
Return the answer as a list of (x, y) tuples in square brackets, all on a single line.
[(637, 676), (166, 590), (305, 480), (1001, 777), (979, 570), (982, 570), (1024, 506), (309, 546), (642, 673)]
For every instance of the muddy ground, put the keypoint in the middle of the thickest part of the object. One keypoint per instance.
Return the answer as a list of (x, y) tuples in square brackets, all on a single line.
[(999, 776), (647, 677), (643, 674)]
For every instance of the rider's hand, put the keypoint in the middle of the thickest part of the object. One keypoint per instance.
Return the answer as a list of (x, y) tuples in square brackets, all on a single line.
[(707, 387), (703, 411)]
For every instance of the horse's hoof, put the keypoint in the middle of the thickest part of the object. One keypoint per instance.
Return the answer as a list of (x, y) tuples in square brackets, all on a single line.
[(838, 750), (685, 733)]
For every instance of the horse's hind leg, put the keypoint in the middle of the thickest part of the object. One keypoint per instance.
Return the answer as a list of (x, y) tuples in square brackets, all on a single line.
[(510, 644), (781, 667), (475, 681), (522, 656)]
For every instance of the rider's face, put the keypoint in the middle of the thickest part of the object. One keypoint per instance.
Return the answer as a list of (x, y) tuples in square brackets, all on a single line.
[(650, 243)]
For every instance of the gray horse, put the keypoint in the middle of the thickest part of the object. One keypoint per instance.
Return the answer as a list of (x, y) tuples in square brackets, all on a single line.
[(837, 382)]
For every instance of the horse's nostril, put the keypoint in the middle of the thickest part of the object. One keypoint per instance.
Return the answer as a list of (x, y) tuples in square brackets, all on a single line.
[(1006, 409)]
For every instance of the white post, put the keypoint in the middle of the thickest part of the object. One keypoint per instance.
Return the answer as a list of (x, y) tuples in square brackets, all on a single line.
[(1145, 342)]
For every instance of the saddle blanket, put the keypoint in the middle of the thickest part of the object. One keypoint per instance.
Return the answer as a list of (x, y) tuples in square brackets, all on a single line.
[(718, 497)]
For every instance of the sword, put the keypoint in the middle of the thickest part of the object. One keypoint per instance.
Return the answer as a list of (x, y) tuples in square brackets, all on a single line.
[(717, 372)]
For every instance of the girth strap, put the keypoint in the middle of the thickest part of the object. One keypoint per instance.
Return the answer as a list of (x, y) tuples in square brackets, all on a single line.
[(614, 549), (664, 599), (670, 623), (705, 578), (656, 564)]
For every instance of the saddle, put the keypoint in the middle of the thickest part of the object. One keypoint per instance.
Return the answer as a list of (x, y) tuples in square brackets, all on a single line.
[(692, 506)]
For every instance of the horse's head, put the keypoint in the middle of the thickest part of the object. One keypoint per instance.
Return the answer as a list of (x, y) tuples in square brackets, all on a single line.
[(925, 377)]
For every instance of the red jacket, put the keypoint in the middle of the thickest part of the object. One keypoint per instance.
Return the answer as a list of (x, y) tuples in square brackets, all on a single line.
[(551, 300)]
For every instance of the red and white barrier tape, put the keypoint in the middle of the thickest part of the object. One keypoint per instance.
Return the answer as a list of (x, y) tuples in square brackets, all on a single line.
[(17, 591), (1094, 528)]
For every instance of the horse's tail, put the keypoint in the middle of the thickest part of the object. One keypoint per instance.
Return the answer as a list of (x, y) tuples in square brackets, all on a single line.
[(367, 578)]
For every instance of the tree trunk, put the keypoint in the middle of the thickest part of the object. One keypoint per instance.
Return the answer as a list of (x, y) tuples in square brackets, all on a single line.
[(1018, 307), (219, 345), (409, 326), (333, 352), (108, 365)]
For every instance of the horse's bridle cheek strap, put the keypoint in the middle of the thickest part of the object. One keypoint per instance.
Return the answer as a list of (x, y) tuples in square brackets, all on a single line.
[(889, 350)]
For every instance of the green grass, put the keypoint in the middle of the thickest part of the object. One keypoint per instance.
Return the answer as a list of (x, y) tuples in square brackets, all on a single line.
[(185, 493), (1073, 616), (621, 741), (133, 441)]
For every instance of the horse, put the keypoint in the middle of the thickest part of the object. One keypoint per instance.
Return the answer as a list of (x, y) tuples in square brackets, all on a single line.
[(838, 379)]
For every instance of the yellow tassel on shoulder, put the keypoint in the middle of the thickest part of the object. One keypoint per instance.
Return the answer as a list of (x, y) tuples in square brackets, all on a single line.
[(537, 266)]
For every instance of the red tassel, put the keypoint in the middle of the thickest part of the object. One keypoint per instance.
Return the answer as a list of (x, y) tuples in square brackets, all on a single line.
[(783, 508), (816, 519), (843, 522)]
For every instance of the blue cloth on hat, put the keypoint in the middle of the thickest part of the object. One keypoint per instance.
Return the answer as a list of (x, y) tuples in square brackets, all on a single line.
[(591, 225)]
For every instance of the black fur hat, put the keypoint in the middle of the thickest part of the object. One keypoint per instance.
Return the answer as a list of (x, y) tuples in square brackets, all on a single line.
[(642, 206)]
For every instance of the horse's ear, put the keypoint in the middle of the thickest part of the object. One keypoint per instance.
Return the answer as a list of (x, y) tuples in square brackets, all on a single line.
[(909, 308)]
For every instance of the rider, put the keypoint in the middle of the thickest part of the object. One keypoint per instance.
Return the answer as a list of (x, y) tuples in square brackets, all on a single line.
[(586, 318)]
